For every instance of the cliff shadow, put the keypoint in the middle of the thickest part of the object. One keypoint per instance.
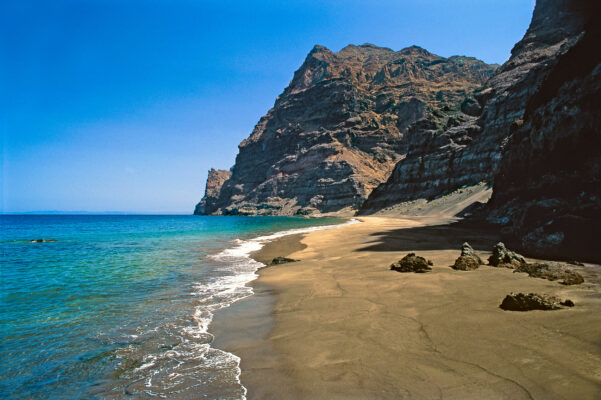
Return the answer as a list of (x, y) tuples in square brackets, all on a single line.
[(436, 237)]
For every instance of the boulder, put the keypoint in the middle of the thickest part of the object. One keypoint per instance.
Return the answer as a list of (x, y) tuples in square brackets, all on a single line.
[(503, 257), (551, 272), (282, 260), (530, 301), (468, 251), (412, 263), (465, 263)]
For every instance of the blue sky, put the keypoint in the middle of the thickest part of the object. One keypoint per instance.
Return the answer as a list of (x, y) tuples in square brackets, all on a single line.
[(123, 105)]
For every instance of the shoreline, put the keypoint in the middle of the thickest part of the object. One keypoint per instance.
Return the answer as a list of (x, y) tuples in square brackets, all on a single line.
[(339, 324)]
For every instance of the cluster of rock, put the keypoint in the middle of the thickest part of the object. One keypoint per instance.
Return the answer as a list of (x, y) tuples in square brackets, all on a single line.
[(551, 272), (412, 263)]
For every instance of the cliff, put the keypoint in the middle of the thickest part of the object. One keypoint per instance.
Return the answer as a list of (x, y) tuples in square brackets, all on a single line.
[(440, 161), (548, 190), (215, 180), (341, 125)]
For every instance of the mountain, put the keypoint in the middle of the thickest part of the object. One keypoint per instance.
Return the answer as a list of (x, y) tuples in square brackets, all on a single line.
[(341, 125), (438, 162), (547, 194)]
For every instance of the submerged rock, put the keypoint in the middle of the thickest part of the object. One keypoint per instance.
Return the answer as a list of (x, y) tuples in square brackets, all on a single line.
[(42, 240), (531, 301), (412, 263), (282, 260), (551, 273), (503, 257)]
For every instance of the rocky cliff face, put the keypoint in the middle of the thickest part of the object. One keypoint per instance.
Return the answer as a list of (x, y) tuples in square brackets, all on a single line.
[(548, 190), (341, 125), (441, 160), (215, 180)]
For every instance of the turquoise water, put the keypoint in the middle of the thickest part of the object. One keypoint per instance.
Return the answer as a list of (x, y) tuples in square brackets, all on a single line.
[(120, 306)]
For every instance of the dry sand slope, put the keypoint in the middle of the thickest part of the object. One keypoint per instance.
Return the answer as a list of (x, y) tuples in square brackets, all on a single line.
[(341, 325)]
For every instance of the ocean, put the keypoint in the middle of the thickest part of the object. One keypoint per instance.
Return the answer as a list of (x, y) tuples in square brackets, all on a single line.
[(118, 306)]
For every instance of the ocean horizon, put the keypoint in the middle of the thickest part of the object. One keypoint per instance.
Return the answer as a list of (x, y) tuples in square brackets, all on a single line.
[(110, 306)]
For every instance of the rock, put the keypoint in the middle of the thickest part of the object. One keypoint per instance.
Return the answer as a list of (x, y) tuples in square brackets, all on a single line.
[(338, 129), (503, 257), (215, 180), (551, 273), (411, 263), (42, 240), (282, 260), (530, 301), (577, 263), (468, 251), (465, 263), (567, 303), (548, 188), (439, 161)]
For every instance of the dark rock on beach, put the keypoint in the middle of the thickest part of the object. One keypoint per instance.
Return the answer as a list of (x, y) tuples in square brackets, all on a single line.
[(282, 260), (412, 263), (465, 263), (503, 257), (551, 272), (530, 301)]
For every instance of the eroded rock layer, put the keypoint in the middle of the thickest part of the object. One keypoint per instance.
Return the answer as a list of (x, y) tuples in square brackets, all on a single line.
[(548, 191), (441, 160), (341, 125)]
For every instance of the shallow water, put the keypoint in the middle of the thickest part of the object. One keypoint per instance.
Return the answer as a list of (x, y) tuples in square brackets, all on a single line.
[(120, 306)]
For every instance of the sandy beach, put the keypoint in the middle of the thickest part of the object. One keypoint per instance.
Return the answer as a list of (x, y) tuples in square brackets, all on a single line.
[(340, 325)]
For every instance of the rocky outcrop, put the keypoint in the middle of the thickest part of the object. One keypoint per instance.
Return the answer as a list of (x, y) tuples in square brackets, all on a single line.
[(412, 263), (551, 272), (215, 180), (468, 260), (533, 301), (548, 190), (338, 129), (503, 257), (439, 160)]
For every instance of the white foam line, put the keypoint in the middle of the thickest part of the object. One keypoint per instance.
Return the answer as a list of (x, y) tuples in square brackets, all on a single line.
[(239, 256)]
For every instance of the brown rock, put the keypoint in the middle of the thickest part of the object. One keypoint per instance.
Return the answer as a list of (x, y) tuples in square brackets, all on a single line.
[(503, 257), (411, 263), (551, 272), (530, 301), (465, 263)]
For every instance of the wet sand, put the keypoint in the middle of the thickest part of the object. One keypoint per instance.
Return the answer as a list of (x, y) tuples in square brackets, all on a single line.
[(341, 325)]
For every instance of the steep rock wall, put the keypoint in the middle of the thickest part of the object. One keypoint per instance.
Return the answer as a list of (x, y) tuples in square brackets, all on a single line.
[(341, 125), (440, 161)]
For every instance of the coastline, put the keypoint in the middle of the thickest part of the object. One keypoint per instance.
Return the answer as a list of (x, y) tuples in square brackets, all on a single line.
[(339, 324)]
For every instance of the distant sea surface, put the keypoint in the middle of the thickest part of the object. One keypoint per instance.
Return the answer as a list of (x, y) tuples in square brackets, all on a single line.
[(120, 306)]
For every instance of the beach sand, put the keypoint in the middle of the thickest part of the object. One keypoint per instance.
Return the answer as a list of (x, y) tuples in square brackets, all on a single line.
[(340, 325)]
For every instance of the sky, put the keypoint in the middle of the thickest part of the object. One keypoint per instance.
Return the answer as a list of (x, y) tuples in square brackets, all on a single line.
[(124, 105)]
